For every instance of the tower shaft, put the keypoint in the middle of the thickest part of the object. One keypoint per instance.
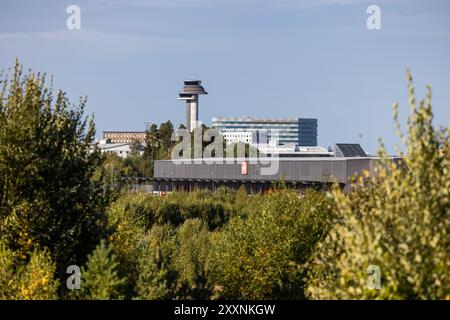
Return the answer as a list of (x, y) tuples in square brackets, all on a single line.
[(192, 113), (190, 92)]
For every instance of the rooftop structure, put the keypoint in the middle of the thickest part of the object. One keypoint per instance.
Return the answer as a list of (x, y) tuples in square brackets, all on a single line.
[(349, 150)]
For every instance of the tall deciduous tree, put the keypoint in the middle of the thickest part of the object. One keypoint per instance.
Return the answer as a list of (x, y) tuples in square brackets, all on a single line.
[(165, 131), (395, 226), (47, 196)]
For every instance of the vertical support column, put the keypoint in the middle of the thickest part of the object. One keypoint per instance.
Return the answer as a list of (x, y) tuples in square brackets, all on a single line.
[(188, 116), (193, 113)]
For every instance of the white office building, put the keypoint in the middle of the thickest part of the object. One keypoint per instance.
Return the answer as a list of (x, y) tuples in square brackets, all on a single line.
[(302, 132), (121, 149)]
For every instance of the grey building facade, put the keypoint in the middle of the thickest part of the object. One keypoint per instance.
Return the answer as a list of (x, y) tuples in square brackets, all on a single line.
[(297, 172)]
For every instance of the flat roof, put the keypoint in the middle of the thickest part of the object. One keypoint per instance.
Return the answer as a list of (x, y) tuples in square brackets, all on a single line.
[(200, 160), (262, 118), (122, 131), (104, 146)]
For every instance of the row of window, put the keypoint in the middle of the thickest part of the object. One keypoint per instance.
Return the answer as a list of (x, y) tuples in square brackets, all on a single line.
[(236, 135), (259, 126), (254, 122), (121, 152), (262, 132)]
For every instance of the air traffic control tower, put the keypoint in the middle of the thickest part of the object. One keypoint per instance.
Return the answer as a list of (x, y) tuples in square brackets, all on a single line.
[(190, 92)]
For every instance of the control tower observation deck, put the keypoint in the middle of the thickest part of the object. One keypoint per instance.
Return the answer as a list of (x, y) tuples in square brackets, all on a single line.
[(190, 92)]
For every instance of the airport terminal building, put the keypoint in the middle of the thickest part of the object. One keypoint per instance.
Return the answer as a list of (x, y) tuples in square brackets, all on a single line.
[(258, 175)]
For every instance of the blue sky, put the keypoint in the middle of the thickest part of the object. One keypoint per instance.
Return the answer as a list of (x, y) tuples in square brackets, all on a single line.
[(268, 58)]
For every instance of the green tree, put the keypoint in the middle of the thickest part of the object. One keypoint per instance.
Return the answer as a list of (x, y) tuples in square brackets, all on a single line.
[(160, 250), (263, 255), (8, 261), (35, 281), (152, 142), (48, 199), (135, 148), (99, 278), (191, 259), (165, 131), (398, 221), (27, 280), (153, 283)]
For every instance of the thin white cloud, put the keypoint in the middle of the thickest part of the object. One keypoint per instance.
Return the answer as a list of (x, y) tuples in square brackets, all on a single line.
[(161, 3), (314, 3), (111, 40), (213, 3), (51, 35)]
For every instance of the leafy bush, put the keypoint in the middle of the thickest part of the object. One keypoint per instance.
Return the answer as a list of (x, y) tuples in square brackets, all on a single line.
[(174, 263), (398, 221), (157, 277), (7, 272), (36, 280), (152, 283), (27, 280), (262, 256), (192, 259)]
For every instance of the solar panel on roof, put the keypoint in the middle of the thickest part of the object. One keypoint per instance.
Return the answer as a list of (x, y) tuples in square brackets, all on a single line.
[(351, 150)]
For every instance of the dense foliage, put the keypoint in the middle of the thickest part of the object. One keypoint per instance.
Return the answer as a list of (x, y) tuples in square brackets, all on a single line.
[(398, 221), (61, 204), (205, 245), (48, 199), (263, 255)]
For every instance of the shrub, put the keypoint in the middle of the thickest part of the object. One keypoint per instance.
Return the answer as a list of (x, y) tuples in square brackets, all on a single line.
[(8, 262), (192, 257), (153, 282), (158, 279), (262, 256), (36, 280), (398, 221), (27, 280)]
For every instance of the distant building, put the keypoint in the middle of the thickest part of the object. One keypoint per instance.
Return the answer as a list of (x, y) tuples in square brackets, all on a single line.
[(250, 137), (299, 173), (122, 149), (124, 136), (299, 131)]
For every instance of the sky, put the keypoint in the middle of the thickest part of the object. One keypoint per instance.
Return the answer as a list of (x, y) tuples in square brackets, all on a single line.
[(262, 58)]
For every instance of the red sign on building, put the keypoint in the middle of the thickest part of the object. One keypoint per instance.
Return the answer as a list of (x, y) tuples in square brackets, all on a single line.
[(244, 168)]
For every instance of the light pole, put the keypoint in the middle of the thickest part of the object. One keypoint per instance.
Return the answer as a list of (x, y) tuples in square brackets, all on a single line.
[(212, 182)]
